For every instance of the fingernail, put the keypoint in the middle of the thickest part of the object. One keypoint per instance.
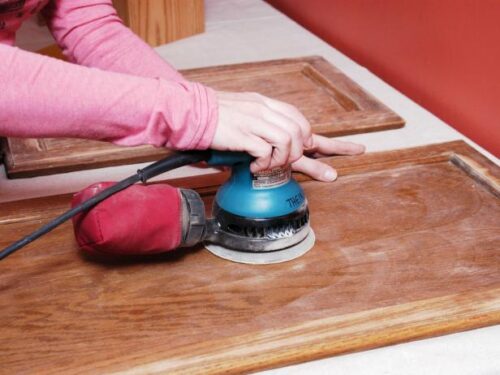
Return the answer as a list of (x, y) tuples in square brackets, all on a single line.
[(361, 149), (309, 143), (330, 175)]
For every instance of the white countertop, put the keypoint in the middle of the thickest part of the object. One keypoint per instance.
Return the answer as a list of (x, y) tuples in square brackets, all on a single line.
[(251, 30)]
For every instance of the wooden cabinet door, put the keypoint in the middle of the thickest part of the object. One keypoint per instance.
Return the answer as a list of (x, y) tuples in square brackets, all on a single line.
[(407, 246)]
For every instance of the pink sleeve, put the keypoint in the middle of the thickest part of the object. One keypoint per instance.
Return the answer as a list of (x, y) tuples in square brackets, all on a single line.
[(45, 97), (91, 34)]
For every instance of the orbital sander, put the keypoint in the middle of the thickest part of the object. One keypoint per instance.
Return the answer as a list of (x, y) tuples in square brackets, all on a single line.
[(257, 218)]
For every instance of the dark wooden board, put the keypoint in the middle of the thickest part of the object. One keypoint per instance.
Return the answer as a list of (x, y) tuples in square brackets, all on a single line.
[(332, 102), (407, 247)]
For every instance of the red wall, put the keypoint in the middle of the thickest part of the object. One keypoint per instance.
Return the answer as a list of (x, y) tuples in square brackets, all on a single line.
[(444, 54)]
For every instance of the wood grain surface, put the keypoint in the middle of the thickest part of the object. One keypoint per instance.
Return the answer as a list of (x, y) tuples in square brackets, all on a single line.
[(333, 104), (162, 21), (407, 247)]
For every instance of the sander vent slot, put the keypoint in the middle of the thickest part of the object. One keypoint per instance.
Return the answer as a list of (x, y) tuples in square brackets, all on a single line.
[(274, 228)]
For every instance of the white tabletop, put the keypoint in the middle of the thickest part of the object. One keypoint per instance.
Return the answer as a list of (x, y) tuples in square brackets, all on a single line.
[(251, 30)]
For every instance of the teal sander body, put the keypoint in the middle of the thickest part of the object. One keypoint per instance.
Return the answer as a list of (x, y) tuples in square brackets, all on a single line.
[(261, 212)]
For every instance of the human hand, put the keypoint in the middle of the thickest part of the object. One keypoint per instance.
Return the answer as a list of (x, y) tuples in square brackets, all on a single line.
[(276, 134), (273, 132)]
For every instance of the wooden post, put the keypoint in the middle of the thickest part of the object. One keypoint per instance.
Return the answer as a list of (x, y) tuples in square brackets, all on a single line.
[(162, 21)]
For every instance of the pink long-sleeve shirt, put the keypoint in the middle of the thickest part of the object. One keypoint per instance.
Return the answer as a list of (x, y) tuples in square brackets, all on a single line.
[(116, 88)]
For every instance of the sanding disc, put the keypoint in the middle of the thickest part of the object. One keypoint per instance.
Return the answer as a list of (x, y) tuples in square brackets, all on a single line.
[(270, 257)]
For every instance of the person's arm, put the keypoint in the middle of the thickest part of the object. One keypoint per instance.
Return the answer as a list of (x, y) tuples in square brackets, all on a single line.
[(45, 97), (90, 33)]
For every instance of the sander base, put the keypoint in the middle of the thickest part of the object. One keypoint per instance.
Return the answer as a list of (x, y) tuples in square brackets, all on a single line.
[(269, 257)]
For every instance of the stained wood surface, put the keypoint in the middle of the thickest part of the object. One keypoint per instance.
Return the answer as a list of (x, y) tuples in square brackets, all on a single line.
[(162, 21), (333, 104), (407, 247)]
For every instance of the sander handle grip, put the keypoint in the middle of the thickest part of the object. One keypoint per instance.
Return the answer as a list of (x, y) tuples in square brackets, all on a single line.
[(172, 162), (228, 158)]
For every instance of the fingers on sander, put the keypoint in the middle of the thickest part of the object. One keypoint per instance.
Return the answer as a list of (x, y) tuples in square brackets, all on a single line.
[(142, 219)]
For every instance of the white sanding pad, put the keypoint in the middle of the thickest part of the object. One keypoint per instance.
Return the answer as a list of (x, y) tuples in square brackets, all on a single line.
[(270, 257)]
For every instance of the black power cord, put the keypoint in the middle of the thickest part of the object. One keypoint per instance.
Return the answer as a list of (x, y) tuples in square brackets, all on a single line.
[(142, 175)]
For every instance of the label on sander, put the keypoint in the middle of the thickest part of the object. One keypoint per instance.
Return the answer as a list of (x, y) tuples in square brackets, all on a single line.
[(271, 178)]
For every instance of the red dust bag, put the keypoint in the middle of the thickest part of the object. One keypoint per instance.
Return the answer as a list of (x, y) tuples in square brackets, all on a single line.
[(142, 219)]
